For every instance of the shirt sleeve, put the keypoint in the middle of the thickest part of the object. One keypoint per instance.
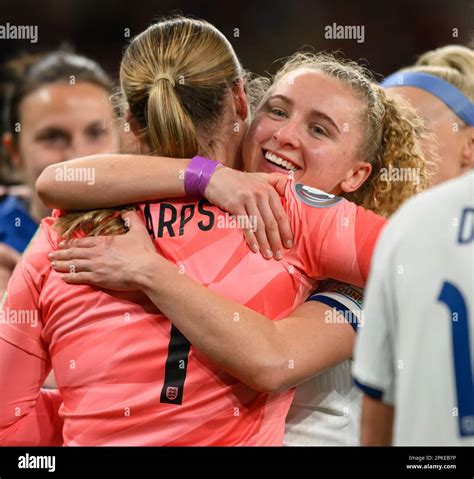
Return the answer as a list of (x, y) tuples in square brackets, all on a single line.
[(28, 414), (334, 237), (374, 366), (20, 313), (345, 298)]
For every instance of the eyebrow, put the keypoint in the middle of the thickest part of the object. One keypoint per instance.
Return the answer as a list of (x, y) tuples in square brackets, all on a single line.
[(64, 131), (52, 129), (313, 113)]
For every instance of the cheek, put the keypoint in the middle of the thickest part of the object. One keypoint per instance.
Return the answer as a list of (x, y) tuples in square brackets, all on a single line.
[(448, 147), (325, 166), (315, 172), (258, 132), (106, 143), (325, 158), (36, 157)]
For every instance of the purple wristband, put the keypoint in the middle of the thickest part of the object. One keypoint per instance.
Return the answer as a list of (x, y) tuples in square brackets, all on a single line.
[(198, 174)]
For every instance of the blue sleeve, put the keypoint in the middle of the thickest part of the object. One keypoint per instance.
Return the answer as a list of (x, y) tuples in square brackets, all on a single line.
[(16, 225)]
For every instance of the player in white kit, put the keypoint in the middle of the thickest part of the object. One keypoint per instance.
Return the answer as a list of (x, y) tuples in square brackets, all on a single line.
[(415, 352), (326, 408)]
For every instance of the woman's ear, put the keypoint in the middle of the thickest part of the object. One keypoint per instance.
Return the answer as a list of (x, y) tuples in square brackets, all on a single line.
[(138, 145), (13, 152), (133, 122), (240, 100), (467, 160), (356, 177)]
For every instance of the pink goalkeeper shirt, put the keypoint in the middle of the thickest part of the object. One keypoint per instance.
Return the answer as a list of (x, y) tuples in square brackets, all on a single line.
[(125, 375)]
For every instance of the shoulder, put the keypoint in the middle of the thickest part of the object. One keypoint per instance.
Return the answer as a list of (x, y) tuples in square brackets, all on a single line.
[(428, 206), (16, 225), (35, 258)]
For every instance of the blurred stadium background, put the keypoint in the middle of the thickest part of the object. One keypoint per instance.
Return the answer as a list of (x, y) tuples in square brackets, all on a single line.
[(395, 32)]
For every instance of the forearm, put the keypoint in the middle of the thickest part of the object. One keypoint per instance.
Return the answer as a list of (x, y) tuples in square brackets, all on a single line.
[(40, 426), (269, 356), (28, 414), (376, 423), (101, 181), (243, 342)]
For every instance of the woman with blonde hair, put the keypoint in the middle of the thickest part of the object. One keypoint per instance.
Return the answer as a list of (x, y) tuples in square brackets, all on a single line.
[(125, 374), (299, 127), (439, 86)]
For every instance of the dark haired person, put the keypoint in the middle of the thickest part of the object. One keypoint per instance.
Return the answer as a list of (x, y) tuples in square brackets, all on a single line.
[(58, 109)]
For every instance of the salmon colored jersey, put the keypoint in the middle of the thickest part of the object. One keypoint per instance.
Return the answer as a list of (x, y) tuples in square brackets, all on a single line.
[(126, 375)]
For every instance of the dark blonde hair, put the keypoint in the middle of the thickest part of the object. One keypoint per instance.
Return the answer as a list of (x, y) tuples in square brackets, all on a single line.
[(452, 63), (26, 73), (174, 77), (392, 132), (58, 66)]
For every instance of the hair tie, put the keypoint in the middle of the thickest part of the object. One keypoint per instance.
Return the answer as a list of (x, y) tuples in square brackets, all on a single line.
[(164, 76)]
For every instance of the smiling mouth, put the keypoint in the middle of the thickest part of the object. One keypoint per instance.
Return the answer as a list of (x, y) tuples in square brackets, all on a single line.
[(278, 161)]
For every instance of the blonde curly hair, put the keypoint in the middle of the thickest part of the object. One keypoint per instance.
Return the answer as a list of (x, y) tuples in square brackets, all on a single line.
[(393, 132)]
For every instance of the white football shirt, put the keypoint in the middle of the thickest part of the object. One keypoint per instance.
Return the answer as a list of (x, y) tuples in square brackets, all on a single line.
[(326, 408), (415, 350)]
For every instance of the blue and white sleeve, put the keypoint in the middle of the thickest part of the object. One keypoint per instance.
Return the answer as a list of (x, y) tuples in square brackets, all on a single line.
[(374, 359), (346, 299)]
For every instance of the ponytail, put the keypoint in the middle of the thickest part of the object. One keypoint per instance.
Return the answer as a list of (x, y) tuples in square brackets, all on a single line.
[(177, 118), (171, 131)]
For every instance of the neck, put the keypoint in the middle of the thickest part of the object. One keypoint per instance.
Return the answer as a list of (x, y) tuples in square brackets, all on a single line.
[(229, 151)]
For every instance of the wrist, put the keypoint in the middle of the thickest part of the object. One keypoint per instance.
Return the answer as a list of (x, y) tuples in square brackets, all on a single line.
[(198, 174), (142, 276), (150, 271)]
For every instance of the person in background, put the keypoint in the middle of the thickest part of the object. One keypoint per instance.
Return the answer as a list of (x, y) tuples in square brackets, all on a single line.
[(441, 87), (430, 86), (58, 108), (413, 358), (290, 123), (326, 409)]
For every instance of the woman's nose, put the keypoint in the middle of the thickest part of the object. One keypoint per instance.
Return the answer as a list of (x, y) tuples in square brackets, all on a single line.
[(287, 135)]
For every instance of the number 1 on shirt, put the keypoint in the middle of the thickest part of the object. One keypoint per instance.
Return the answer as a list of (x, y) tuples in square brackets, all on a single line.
[(175, 368), (454, 300)]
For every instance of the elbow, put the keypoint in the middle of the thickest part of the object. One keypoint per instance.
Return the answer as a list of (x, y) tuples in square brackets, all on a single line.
[(45, 187), (272, 377)]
